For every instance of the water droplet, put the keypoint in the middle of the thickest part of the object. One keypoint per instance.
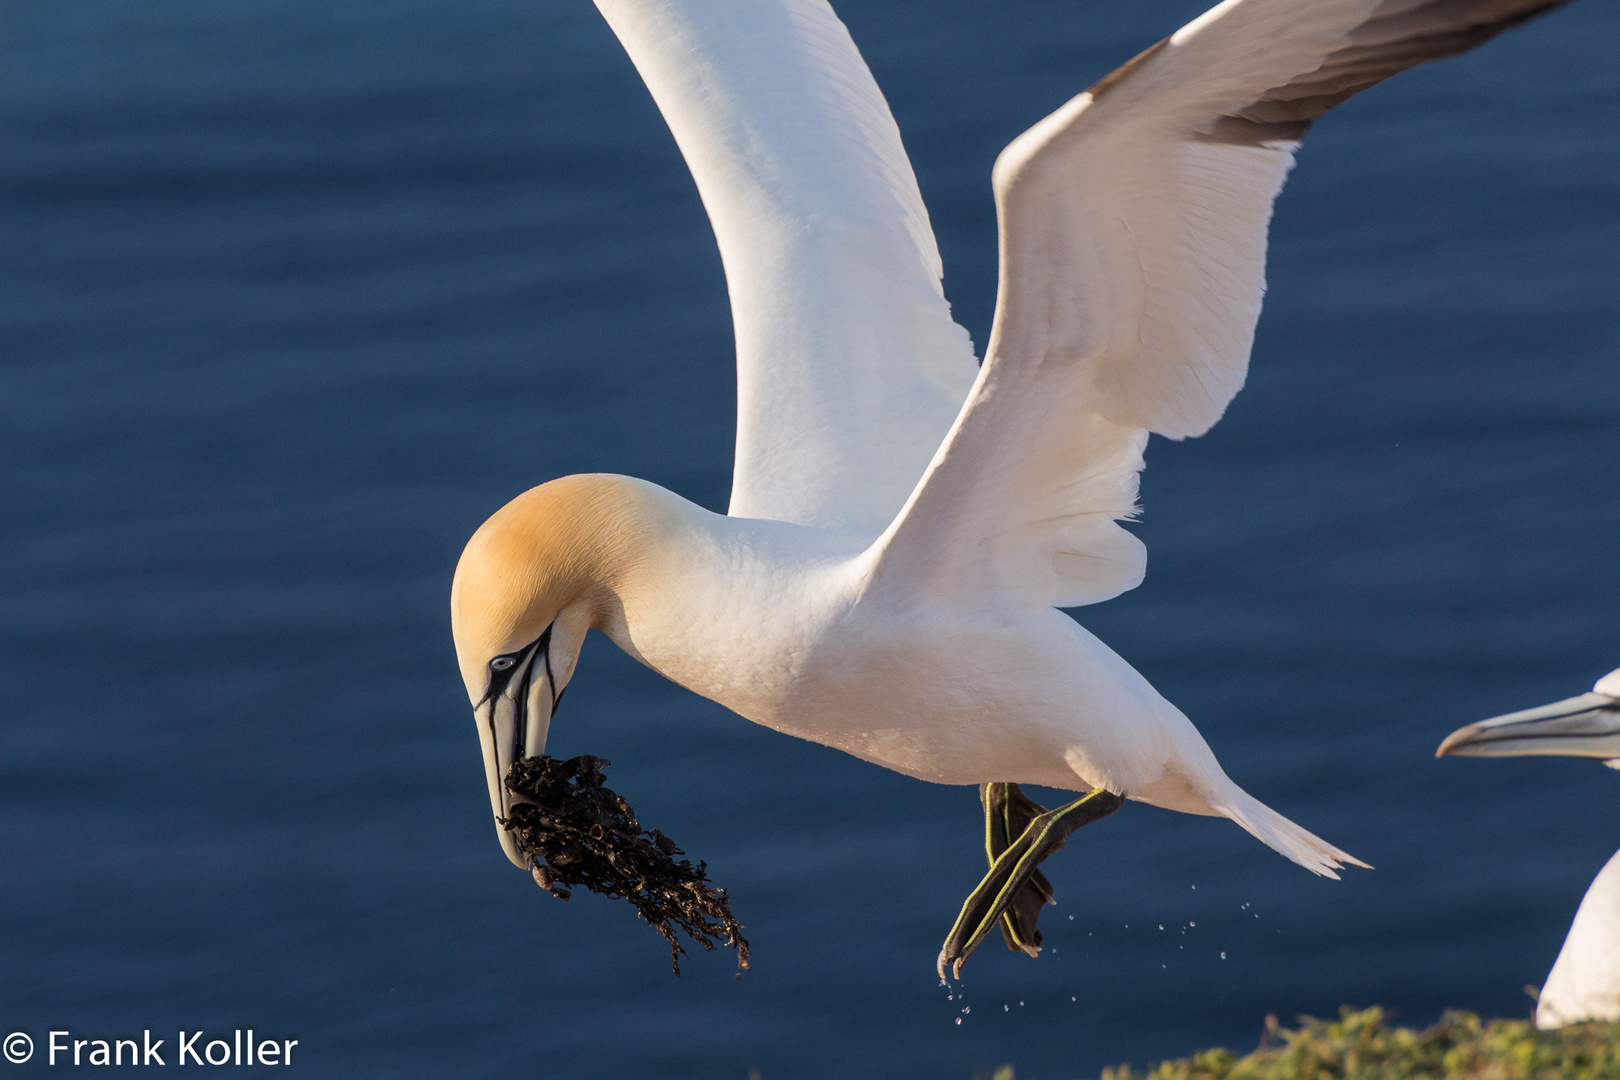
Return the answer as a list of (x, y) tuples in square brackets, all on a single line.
[(1071, 918), (1020, 1004), (1071, 997), (1006, 1008), (1223, 956), (1195, 886), (1192, 923), (967, 1008), (1161, 926), (958, 1019)]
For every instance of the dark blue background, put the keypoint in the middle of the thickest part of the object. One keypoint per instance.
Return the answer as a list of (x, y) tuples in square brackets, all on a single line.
[(297, 293)]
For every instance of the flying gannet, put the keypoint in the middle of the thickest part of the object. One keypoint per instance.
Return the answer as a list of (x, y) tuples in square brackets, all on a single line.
[(1584, 983), (905, 523)]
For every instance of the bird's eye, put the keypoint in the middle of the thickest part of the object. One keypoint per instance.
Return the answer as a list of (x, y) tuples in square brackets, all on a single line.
[(501, 663)]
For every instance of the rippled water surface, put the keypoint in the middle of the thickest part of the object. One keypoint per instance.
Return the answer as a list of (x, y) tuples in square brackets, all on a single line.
[(296, 293)]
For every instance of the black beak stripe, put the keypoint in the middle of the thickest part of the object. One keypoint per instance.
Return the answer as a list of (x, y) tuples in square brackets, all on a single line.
[(500, 680), (542, 647)]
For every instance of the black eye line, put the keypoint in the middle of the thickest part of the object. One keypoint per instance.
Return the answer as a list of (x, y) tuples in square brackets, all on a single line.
[(499, 678)]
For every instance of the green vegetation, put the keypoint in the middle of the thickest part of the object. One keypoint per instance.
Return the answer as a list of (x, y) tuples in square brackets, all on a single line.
[(1360, 1046)]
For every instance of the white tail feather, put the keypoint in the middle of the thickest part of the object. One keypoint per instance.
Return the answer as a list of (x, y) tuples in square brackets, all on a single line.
[(1278, 833)]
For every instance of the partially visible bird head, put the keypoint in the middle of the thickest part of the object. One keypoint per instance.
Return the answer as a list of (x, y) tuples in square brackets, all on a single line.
[(547, 567), (1584, 726)]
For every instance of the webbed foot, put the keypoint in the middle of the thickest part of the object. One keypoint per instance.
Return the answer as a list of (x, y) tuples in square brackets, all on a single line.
[(1018, 835), (1007, 814)]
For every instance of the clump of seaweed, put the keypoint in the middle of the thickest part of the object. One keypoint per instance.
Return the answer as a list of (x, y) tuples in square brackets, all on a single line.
[(576, 831)]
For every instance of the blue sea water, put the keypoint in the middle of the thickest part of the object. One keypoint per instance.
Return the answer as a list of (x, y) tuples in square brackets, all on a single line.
[(295, 294)]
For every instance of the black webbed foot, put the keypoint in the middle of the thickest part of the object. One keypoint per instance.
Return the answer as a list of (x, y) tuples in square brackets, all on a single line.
[(1014, 891), (1007, 813)]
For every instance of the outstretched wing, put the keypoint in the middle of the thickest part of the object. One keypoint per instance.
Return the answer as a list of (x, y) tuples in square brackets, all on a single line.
[(1133, 242), (849, 367)]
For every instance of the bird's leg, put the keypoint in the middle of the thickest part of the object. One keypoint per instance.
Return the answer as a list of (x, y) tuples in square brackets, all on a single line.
[(1003, 888), (1007, 814)]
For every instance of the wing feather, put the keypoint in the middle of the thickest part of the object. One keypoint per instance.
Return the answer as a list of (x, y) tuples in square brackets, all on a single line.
[(850, 369), (1133, 242)]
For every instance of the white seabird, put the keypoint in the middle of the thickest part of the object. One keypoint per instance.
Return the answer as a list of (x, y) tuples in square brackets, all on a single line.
[(1584, 983), (904, 523)]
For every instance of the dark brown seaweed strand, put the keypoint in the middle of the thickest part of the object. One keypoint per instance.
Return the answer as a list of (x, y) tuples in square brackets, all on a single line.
[(579, 832)]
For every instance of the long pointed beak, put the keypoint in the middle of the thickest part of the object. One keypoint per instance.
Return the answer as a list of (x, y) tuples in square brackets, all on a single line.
[(1584, 726), (513, 723)]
